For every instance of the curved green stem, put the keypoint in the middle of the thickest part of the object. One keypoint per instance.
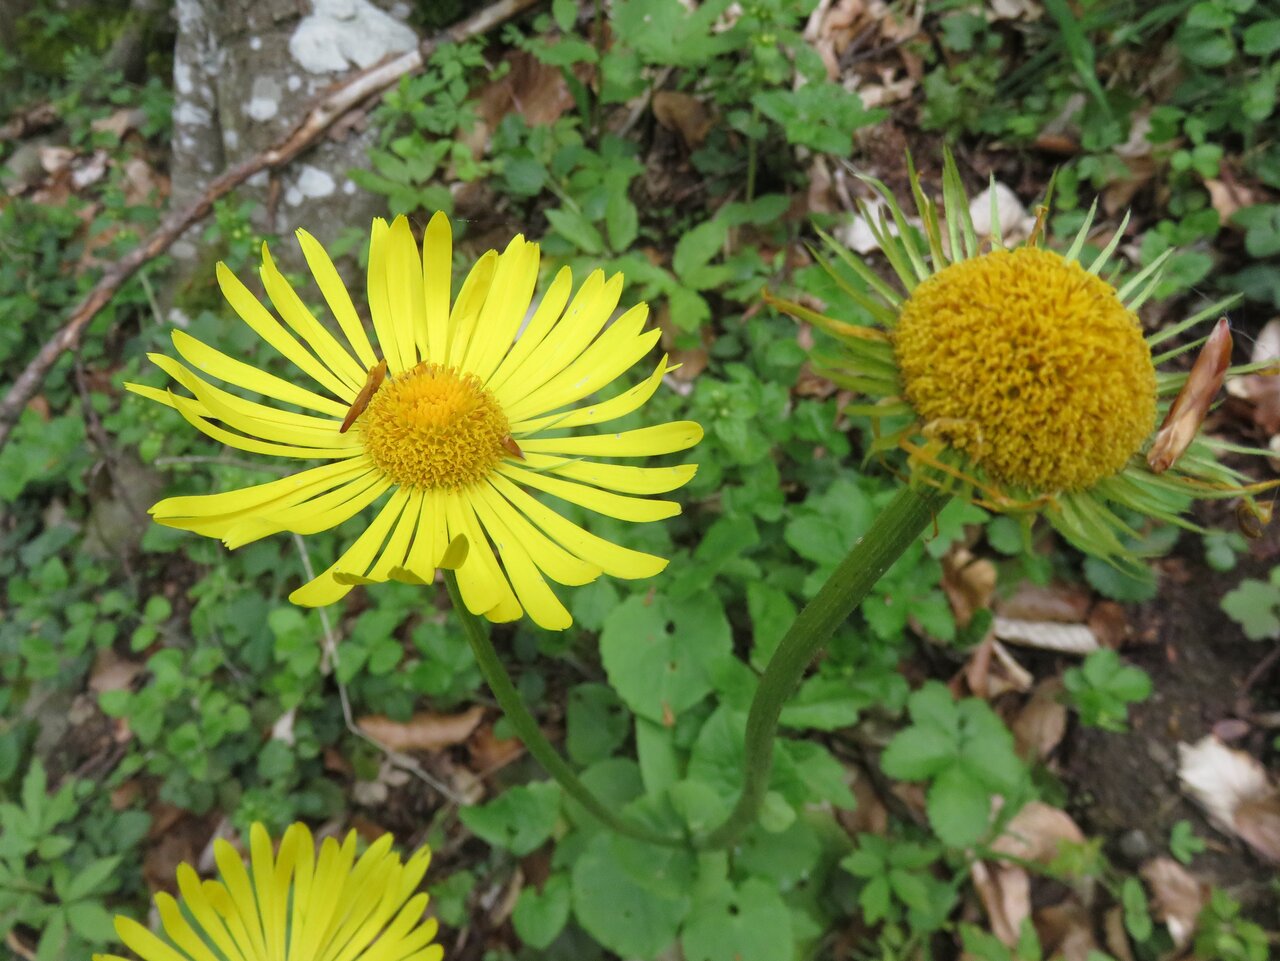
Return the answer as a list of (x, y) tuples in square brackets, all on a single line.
[(901, 522), (531, 735)]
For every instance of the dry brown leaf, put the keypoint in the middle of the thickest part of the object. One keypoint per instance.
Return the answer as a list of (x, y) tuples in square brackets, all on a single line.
[(1176, 895), (991, 671), (54, 159), (531, 88), (488, 753), (1229, 196), (1262, 389), (1257, 822), (685, 114), (425, 731), (111, 672), (1116, 936), (1047, 635), (1066, 931), (1036, 833), (1056, 602), (968, 582), (1235, 791), (1005, 892), (1110, 624), (1039, 727), (119, 122)]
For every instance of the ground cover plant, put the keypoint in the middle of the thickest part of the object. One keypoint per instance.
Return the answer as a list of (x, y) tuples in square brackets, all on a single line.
[(1014, 748)]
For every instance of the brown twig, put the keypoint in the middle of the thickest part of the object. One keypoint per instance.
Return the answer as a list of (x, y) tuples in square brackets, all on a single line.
[(331, 106)]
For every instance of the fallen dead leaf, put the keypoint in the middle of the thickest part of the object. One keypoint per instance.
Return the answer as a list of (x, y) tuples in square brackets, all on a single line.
[(1039, 727), (1235, 791), (1005, 893), (969, 583), (685, 114), (991, 671), (425, 731), (1066, 931), (1037, 832), (111, 672), (1110, 624), (489, 753), (1176, 895), (1047, 635), (1054, 602), (1116, 936)]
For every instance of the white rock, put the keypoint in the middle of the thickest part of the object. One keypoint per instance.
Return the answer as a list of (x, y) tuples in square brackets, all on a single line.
[(341, 33)]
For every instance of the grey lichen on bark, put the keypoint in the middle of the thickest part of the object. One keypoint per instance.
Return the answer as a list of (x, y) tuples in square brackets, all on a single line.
[(245, 72)]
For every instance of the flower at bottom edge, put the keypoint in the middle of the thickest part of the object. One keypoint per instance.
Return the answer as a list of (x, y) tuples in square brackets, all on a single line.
[(295, 906), (468, 411), (1016, 377)]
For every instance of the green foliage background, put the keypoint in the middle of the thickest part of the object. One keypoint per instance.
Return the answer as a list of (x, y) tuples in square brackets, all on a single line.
[(779, 498)]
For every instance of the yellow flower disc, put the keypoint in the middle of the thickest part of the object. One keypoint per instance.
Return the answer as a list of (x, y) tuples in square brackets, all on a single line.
[(434, 428), (1030, 366)]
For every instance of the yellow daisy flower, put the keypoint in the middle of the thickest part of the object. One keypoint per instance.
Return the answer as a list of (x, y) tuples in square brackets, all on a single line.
[(466, 412), (294, 906), (1019, 378)]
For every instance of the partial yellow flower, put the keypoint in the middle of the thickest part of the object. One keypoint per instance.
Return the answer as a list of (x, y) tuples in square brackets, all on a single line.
[(294, 906), (473, 413), (1018, 378)]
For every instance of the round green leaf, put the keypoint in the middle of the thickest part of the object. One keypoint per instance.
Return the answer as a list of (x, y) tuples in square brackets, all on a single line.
[(625, 917), (749, 924)]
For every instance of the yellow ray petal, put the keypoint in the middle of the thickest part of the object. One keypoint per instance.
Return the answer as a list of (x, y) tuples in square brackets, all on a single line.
[(407, 933), (311, 517), (504, 309), (272, 331), (603, 362), (194, 415), (480, 581), (336, 296), (466, 309), (250, 417), (602, 502), (236, 372), (396, 551), (282, 492), (405, 290), (236, 881), (437, 286), (322, 917), (615, 477), (544, 319), (642, 442), (582, 321), (560, 565), (180, 930), (299, 836), (606, 410), (325, 589), (380, 308), (537, 598), (197, 902), (144, 943), (272, 902), (297, 315), (431, 539), (611, 558)]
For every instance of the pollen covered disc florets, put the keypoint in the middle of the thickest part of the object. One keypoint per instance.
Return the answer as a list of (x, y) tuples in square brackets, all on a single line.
[(1031, 366), (434, 428)]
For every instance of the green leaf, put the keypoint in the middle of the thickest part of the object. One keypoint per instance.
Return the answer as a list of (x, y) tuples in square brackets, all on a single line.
[(91, 878), (539, 917), (571, 225), (596, 723), (825, 704), (1262, 39), (621, 220), (624, 916), (959, 808), (519, 819), (1137, 919), (751, 923), (658, 652), (697, 247), (918, 753), (91, 921)]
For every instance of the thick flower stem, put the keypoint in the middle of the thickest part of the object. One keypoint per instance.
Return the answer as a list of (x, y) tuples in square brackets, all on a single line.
[(896, 528), (531, 735)]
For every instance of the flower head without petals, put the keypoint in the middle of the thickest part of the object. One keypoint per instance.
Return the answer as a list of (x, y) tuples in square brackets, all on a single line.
[(1018, 377), (298, 905), (465, 406)]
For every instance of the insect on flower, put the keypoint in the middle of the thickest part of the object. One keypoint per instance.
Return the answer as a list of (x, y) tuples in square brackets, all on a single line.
[(376, 375)]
